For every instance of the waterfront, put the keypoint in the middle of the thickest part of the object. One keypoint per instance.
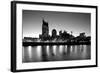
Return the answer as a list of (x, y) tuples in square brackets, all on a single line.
[(55, 53)]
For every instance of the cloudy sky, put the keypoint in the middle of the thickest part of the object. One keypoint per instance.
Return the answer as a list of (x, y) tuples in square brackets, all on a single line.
[(69, 21)]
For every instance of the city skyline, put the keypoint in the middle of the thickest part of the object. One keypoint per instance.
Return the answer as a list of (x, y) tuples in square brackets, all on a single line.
[(68, 21)]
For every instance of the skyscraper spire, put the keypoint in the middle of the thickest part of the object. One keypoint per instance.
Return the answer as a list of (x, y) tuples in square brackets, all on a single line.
[(43, 19)]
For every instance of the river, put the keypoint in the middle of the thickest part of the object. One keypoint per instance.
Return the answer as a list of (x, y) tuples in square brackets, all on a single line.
[(55, 53)]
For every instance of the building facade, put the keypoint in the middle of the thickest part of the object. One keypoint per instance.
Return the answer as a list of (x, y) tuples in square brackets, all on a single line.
[(45, 31)]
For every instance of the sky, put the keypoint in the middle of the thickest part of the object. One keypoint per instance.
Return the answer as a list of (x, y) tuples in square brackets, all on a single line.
[(68, 21)]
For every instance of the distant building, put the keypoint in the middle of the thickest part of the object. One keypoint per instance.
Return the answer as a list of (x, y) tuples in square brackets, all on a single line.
[(29, 39), (82, 35), (45, 31), (60, 32), (54, 33), (45, 28), (65, 35)]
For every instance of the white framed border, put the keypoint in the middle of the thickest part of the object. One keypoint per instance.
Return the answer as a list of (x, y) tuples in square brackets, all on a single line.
[(23, 66)]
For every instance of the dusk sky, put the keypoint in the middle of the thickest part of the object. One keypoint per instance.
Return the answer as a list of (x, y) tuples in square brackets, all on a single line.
[(69, 21)]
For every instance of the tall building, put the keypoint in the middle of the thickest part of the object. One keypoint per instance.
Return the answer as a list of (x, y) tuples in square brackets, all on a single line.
[(54, 33), (45, 31), (60, 32), (82, 35), (45, 28)]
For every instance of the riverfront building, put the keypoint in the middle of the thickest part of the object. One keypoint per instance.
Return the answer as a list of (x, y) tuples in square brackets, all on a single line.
[(45, 31)]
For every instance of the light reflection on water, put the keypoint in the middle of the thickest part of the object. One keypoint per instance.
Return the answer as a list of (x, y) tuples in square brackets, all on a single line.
[(55, 53)]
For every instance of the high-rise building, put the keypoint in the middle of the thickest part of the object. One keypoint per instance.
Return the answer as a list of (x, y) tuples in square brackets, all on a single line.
[(45, 28), (45, 31), (54, 33), (60, 32)]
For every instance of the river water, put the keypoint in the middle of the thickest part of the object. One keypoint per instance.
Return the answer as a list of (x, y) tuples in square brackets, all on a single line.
[(55, 53)]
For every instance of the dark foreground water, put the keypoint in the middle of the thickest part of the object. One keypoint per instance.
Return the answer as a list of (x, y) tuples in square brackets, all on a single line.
[(55, 53)]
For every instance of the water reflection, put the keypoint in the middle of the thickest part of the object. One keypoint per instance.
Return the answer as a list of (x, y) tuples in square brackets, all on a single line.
[(55, 53)]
